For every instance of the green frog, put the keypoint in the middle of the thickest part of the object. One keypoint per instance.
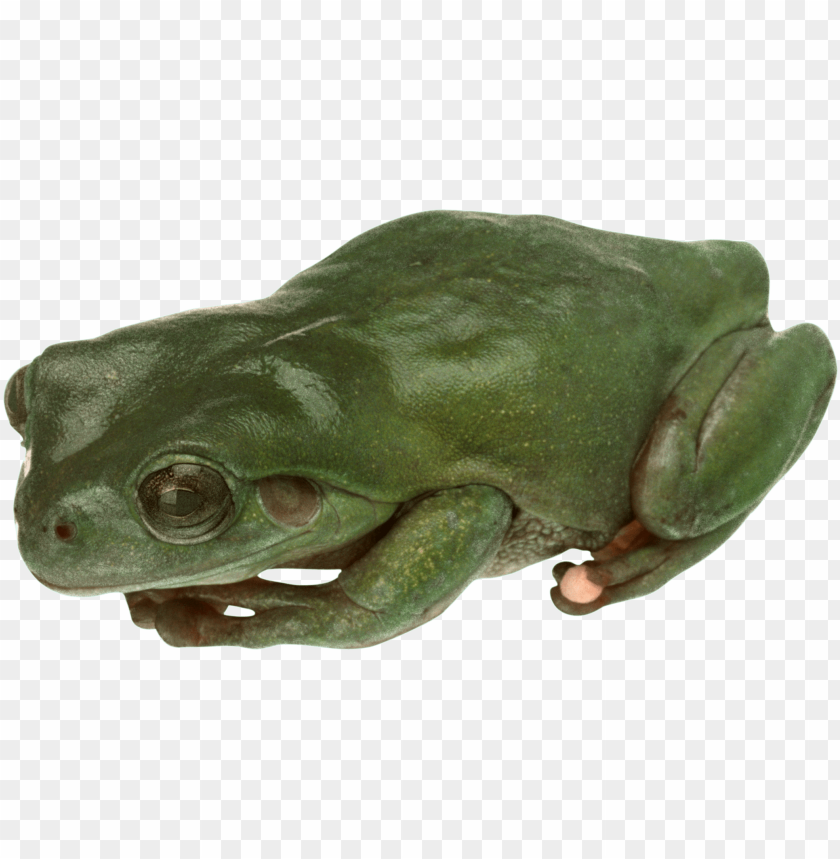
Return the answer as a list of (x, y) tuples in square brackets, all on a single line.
[(449, 396)]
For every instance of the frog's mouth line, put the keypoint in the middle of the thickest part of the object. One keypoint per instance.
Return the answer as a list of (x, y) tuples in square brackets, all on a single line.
[(213, 577)]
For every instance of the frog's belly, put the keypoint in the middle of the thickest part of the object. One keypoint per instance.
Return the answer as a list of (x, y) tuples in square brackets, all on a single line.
[(530, 540)]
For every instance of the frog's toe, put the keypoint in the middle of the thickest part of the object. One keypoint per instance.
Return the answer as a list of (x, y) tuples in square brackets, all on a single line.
[(577, 587), (576, 593), (143, 610), (188, 622)]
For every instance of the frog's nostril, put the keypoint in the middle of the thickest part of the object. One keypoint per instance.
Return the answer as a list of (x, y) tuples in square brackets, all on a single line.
[(65, 531)]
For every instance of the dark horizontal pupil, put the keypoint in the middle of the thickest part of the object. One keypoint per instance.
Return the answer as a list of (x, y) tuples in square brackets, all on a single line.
[(179, 502)]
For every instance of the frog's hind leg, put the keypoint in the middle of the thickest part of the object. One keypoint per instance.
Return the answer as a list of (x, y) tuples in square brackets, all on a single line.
[(734, 424)]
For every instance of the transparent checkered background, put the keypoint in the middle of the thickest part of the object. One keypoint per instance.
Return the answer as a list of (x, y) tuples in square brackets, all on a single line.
[(159, 157)]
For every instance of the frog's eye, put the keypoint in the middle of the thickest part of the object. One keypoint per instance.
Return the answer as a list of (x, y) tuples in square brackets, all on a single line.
[(185, 503), (14, 401)]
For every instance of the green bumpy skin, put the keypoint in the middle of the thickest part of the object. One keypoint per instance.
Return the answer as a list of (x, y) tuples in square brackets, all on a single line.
[(449, 396)]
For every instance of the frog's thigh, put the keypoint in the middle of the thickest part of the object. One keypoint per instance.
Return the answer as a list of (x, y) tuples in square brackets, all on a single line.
[(735, 423)]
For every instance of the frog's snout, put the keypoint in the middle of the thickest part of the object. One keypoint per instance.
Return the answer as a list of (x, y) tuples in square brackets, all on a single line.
[(50, 539), (51, 542)]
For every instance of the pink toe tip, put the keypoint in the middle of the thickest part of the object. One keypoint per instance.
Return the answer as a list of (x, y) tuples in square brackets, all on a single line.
[(576, 587)]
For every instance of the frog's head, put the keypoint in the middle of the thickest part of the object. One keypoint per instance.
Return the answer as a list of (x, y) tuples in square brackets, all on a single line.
[(151, 462)]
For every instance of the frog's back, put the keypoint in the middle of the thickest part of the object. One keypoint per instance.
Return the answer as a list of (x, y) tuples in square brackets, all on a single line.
[(535, 351), (514, 261)]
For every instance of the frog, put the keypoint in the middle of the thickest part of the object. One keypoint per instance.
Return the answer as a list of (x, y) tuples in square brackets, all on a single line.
[(447, 397)]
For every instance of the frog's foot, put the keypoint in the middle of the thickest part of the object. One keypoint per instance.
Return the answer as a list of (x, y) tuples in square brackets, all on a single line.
[(195, 615), (582, 587), (634, 564), (144, 605), (254, 594)]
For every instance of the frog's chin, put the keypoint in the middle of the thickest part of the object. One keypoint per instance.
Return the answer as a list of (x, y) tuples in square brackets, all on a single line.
[(245, 567), (202, 578)]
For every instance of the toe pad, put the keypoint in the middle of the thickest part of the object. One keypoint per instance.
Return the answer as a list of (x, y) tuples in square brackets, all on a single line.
[(576, 587)]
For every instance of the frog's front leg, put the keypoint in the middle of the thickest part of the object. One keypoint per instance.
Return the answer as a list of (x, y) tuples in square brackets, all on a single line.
[(410, 576), (734, 424)]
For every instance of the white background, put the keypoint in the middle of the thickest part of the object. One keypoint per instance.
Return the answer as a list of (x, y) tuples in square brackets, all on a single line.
[(163, 157)]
